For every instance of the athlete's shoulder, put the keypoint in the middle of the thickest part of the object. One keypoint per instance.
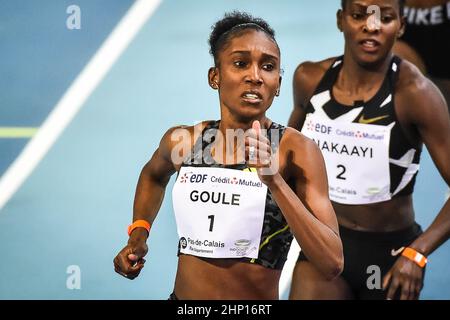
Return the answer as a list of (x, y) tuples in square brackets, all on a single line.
[(414, 87), (411, 81), (187, 128), (416, 95), (295, 140), (302, 154), (312, 68), (307, 77), (181, 136)]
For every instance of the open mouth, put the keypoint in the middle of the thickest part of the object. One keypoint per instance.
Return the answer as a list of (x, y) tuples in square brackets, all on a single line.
[(369, 45), (252, 97)]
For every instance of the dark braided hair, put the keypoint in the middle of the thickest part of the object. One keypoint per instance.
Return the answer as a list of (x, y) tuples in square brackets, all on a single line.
[(233, 24), (401, 4)]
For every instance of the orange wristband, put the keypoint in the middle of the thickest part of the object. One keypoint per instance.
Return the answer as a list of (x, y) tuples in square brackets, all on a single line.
[(139, 224), (415, 256)]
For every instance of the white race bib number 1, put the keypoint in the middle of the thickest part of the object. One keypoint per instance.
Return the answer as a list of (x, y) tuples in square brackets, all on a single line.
[(219, 212)]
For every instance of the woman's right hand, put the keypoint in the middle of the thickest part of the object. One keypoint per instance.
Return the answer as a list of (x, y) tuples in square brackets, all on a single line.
[(130, 260)]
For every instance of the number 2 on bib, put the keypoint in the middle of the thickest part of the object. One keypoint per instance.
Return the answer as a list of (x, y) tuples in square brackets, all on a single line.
[(341, 175)]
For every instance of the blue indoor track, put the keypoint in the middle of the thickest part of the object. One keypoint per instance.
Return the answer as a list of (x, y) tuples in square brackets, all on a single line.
[(74, 206)]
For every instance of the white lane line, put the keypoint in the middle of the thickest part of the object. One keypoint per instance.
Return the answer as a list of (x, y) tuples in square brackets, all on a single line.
[(288, 269), (74, 98)]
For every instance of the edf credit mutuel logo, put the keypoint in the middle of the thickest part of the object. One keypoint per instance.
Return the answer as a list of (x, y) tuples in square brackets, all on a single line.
[(190, 177), (193, 178), (317, 127)]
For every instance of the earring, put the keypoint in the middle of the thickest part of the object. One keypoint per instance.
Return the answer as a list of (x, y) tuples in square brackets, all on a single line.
[(215, 85), (277, 93)]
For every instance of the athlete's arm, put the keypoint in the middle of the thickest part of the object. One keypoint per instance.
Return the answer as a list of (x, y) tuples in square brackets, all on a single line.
[(148, 198), (308, 210), (153, 181), (306, 78), (427, 112), (431, 117)]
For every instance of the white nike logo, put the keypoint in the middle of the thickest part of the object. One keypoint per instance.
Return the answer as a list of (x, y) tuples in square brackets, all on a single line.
[(397, 252)]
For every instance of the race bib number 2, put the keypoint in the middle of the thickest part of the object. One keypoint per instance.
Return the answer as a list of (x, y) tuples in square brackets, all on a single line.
[(356, 157)]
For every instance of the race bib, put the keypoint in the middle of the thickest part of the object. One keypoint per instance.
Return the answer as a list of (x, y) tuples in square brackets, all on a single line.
[(356, 157), (219, 212)]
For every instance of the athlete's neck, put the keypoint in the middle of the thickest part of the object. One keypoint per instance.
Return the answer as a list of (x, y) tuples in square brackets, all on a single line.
[(229, 146), (229, 121), (356, 80)]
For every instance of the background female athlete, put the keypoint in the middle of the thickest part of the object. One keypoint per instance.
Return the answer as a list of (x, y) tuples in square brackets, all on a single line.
[(365, 87)]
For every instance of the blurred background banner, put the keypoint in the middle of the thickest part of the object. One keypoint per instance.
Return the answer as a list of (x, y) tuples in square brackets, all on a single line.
[(87, 89)]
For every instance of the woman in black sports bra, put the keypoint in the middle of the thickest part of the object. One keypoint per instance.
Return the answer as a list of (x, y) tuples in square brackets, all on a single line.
[(370, 114), (237, 205)]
